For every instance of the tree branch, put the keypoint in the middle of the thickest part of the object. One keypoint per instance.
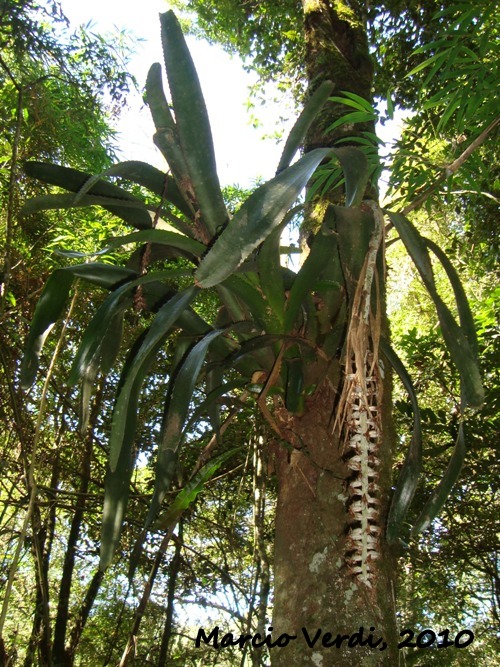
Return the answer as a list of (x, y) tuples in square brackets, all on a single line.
[(451, 168)]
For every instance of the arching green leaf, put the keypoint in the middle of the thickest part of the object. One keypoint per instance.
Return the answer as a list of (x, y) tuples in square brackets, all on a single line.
[(294, 396), (117, 482), (133, 212), (112, 198), (356, 173), (409, 475), (161, 184), (166, 137), (112, 307), (52, 302), (178, 406), (164, 320), (323, 250), (271, 280), (457, 342), (163, 237), (440, 494), (464, 311), (47, 312)]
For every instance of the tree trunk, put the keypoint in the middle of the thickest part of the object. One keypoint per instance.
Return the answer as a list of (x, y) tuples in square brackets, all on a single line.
[(334, 601), (315, 590)]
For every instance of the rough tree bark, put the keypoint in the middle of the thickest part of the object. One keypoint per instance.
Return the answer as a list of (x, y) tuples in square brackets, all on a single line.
[(334, 573)]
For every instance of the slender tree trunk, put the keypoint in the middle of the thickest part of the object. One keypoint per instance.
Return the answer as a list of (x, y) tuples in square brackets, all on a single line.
[(334, 601), (81, 620), (261, 558), (173, 574), (60, 653)]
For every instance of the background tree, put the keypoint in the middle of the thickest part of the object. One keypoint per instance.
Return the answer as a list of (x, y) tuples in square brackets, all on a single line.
[(52, 87)]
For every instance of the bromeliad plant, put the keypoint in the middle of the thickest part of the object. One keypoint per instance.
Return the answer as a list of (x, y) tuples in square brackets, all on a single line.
[(279, 330)]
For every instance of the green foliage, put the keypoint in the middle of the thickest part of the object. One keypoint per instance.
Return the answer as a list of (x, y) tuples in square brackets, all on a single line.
[(254, 222), (258, 216), (453, 84)]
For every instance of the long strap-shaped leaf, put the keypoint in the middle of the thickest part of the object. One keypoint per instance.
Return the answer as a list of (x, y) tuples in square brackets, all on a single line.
[(171, 434), (298, 132), (114, 304), (323, 251), (271, 280), (163, 322), (440, 494), (407, 482), (52, 302), (192, 123), (144, 174), (117, 483), (166, 137), (112, 198), (461, 350), (162, 237), (134, 213), (464, 311), (264, 210)]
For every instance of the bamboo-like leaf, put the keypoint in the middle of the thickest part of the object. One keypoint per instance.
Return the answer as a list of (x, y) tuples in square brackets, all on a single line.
[(192, 123), (164, 320), (440, 494), (440, 56), (298, 132), (407, 481), (461, 351), (175, 416), (192, 489), (353, 117), (255, 220), (354, 101)]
